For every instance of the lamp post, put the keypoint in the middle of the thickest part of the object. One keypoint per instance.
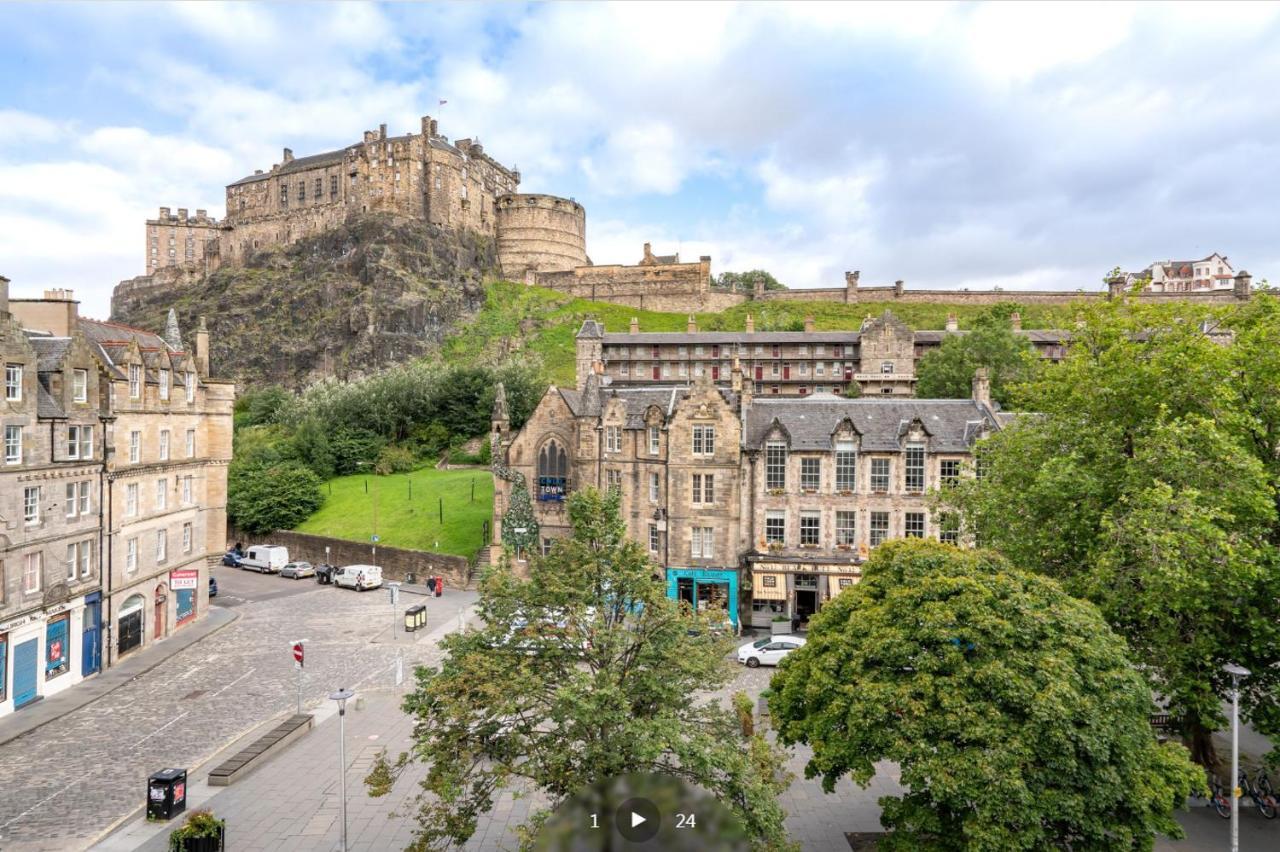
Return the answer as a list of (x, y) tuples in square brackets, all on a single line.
[(1237, 673), (341, 697)]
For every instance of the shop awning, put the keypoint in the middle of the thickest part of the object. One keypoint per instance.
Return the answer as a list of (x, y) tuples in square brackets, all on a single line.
[(768, 586), (840, 582)]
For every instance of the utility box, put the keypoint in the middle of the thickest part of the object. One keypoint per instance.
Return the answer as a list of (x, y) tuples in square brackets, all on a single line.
[(166, 794)]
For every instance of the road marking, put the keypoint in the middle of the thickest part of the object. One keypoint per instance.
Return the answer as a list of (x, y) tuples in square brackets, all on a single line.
[(161, 728), (233, 683)]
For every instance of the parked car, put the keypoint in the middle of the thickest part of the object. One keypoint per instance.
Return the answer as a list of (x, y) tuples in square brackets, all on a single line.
[(324, 573), (213, 587), (297, 570), (231, 559), (266, 558), (358, 577), (768, 651)]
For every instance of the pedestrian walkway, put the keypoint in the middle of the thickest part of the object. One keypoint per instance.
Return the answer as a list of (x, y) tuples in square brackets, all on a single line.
[(136, 664)]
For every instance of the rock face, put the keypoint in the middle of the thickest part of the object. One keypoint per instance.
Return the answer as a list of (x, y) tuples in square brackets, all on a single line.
[(376, 291)]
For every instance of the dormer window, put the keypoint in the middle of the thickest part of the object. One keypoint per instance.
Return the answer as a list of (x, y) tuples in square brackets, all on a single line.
[(164, 384), (80, 385), (191, 386), (135, 381)]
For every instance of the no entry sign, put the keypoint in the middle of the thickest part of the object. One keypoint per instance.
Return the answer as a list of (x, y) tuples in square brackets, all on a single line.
[(297, 654)]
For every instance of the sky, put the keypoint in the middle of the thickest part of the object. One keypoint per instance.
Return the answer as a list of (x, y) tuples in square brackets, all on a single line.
[(1025, 146)]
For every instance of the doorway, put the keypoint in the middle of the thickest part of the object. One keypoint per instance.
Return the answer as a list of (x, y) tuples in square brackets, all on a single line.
[(684, 590), (25, 667), (158, 631), (90, 629), (806, 598)]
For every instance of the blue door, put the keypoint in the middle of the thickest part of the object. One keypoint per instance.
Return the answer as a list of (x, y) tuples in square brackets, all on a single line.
[(91, 648), (25, 659)]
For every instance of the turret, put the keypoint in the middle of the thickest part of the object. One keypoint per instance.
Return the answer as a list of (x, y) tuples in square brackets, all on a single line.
[(590, 349), (500, 423), (172, 335)]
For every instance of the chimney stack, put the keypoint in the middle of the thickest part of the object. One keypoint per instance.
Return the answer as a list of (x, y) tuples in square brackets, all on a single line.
[(4, 295), (164, 212), (982, 387), (635, 325), (382, 131), (1015, 320), (952, 324), (735, 376), (898, 287), (202, 347), (751, 324), (808, 325), (691, 326)]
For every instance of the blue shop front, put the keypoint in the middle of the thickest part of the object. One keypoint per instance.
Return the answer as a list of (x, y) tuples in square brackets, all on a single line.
[(706, 590)]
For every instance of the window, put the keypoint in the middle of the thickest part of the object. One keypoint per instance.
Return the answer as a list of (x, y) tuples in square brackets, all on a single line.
[(333, 186), (653, 538), (86, 558), (191, 443), (775, 466), (318, 191), (666, 371), (191, 386), (655, 488), (80, 442), (162, 545), (613, 480), (913, 527), (135, 381), (804, 349), (131, 499), (819, 349), (131, 555), (804, 368), (32, 569), (162, 494), (880, 475), (164, 384), (846, 466), (284, 195), (613, 439), (164, 445), (73, 442), (553, 465), (879, 527), (777, 351), (80, 385), (949, 532), (950, 471), (302, 190), (775, 373), (820, 369), (73, 504), (810, 474), (187, 483), (683, 351), (810, 529), (86, 503), (702, 544), (915, 469), (704, 440), (704, 488), (655, 440), (886, 367), (13, 445), (846, 528), (775, 527), (13, 382), (135, 446), (186, 538), (31, 504), (73, 561)]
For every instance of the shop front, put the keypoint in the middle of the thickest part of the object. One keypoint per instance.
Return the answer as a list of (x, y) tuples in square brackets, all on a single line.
[(185, 584), (129, 625), (707, 590), (37, 654), (796, 590)]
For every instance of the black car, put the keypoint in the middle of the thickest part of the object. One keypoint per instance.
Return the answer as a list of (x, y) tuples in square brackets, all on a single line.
[(324, 573), (213, 587), (231, 559)]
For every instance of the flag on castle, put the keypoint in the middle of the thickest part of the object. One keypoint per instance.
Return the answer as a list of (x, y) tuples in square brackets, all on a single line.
[(443, 102)]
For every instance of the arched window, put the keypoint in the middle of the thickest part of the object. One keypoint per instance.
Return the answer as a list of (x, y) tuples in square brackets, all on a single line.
[(553, 471)]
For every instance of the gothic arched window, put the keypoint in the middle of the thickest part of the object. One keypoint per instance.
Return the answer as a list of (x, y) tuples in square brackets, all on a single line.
[(553, 472)]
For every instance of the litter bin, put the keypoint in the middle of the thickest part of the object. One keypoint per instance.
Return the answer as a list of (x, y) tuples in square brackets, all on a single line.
[(410, 578), (166, 794), (415, 617)]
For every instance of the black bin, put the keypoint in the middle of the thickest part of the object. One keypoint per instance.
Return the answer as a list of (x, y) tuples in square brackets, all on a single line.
[(415, 617), (166, 794)]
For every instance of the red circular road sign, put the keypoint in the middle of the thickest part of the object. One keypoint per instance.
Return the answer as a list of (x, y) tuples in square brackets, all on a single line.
[(297, 652)]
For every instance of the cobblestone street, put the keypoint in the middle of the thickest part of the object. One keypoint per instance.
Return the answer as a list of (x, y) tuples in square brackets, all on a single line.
[(67, 782)]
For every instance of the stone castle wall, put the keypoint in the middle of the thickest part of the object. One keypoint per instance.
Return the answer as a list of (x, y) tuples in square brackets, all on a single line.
[(542, 233), (675, 287)]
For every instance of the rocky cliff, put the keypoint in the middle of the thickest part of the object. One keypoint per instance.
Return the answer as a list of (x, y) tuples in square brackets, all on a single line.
[(376, 291)]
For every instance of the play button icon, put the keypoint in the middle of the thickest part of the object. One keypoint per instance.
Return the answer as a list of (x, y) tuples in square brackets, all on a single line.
[(638, 820)]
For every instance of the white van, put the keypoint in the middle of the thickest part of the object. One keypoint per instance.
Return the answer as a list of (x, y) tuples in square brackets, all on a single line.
[(265, 558), (358, 577)]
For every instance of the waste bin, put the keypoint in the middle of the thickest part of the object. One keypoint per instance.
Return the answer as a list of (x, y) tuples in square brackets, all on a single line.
[(410, 578), (166, 794), (415, 618)]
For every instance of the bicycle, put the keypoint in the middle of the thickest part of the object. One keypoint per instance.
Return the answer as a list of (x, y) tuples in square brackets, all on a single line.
[(1261, 793), (1219, 798)]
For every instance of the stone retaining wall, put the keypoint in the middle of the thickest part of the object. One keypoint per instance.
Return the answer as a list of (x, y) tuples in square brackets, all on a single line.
[(396, 562)]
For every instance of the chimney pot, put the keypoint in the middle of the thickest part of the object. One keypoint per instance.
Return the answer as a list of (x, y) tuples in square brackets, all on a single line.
[(751, 324), (691, 326), (1015, 320), (808, 325), (382, 131), (952, 324), (635, 325), (287, 157)]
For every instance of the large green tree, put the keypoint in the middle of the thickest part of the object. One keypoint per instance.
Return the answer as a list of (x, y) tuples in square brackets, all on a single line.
[(266, 497), (947, 372), (582, 672), (1147, 483), (1015, 716)]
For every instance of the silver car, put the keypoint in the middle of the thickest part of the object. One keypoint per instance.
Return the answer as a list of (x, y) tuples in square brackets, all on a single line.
[(297, 570)]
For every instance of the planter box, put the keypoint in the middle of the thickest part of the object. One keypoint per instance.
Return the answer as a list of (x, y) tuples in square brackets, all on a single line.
[(202, 844), (779, 628)]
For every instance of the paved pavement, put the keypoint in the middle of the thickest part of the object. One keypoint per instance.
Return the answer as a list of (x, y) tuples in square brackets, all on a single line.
[(68, 781)]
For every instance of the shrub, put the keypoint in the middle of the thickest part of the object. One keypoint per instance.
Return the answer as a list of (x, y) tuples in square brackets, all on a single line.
[(267, 497), (394, 459)]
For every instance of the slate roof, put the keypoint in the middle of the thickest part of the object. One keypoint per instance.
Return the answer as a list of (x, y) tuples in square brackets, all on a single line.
[(49, 351), (695, 337), (46, 406), (298, 164), (590, 402), (591, 328), (952, 424)]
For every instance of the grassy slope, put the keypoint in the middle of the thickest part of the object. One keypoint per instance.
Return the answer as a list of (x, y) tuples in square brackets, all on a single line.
[(542, 323), (413, 524)]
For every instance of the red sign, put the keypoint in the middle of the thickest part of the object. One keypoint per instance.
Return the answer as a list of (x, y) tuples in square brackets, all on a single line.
[(297, 653), (179, 792)]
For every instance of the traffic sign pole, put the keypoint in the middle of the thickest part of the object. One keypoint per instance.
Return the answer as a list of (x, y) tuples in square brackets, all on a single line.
[(298, 655)]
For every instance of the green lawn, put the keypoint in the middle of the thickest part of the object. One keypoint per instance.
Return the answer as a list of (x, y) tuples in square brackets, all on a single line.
[(404, 521)]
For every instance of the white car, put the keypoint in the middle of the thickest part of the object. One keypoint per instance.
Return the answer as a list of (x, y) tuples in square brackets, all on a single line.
[(768, 651)]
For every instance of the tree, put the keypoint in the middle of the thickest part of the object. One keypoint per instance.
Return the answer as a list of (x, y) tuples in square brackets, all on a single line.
[(1015, 716), (267, 497), (1147, 483), (745, 282), (947, 372), (583, 672)]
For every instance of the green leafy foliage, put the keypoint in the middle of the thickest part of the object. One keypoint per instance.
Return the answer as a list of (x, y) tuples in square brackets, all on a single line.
[(1012, 709), (267, 497), (1147, 483), (520, 530), (745, 282), (394, 459), (583, 672), (947, 372)]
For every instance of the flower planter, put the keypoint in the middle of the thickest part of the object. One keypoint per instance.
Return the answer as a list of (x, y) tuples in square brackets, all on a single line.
[(202, 832), (202, 844), (779, 628)]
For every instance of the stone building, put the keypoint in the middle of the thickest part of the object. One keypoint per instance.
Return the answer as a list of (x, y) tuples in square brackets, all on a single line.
[(179, 240), (1184, 276), (880, 357), (760, 507), (113, 492)]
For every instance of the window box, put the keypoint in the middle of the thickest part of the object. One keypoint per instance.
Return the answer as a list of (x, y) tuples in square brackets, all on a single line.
[(844, 547), (775, 547), (845, 493), (810, 546), (808, 491), (776, 492)]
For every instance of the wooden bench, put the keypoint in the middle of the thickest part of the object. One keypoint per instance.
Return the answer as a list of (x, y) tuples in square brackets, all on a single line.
[(256, 753)]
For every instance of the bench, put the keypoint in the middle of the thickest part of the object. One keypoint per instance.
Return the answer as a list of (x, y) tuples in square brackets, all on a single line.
[(256, 753)]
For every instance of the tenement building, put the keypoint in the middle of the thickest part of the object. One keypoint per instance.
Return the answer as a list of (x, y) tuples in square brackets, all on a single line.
[(879, 358), (112, 493), (759, 507)]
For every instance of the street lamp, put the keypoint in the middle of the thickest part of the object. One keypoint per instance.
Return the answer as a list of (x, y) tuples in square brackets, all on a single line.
[(1237, 674), (341, 697)]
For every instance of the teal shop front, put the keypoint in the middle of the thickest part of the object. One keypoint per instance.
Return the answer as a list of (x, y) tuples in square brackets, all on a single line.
[(706, 589)]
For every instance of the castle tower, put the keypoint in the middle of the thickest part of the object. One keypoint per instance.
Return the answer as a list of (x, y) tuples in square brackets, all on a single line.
[(540, 232)]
